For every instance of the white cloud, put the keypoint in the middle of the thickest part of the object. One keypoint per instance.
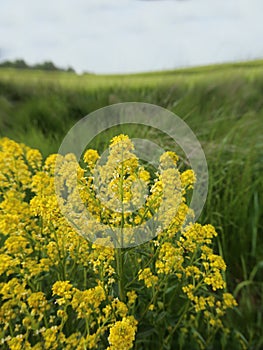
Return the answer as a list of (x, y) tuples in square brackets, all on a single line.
[(130, 35)]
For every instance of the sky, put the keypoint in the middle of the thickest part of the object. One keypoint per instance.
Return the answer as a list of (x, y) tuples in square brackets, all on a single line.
[(126, 36)]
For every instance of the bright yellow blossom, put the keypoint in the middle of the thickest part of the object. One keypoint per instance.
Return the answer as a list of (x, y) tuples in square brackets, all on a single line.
[(122, 334)]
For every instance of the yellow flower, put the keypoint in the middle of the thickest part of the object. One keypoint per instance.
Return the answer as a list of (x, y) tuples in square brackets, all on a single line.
[(62, 314), (14, 289), (193, 271), (151, 307), (210, 300), (16, 343), (38, 303), (50, 337), (144, 175), (18, 245), (168, 159), (91, 341), (62, 289), (34, 158), (215, 279), (50, 162), (200, 304), (73, 341), (123, 141), (188, 290), (229, 301), (90, 157), (122, 334), (88, 301), (119, 307), (216, 262), (188, 179), (132, 296), (149, 279), (7, 263), (170, 259)]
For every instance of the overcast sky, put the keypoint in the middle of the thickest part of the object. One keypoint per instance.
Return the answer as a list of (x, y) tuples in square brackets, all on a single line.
[(115, 36)]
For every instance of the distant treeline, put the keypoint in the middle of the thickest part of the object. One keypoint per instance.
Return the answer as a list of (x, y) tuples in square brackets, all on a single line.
[(47, 66)]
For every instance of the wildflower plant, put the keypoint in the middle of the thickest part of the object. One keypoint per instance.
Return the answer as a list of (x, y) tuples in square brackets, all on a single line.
[(105, 289)]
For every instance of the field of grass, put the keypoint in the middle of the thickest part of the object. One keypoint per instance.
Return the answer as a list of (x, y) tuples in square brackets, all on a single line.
[(222, 104)]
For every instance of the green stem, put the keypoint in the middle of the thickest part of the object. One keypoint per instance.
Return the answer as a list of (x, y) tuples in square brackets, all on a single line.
[(119, 262), (119, 252), (85, 278)]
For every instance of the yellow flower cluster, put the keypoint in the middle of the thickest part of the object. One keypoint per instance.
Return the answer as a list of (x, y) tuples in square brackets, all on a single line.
[(170, 259), (188, 179), (88, 301), (38, 303), (149, 279), (63, 290), (90, 158), (122, 334), (132, 296), (59, 290)]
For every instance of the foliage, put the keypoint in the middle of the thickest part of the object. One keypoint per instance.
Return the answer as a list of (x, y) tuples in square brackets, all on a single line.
[(21, 64)]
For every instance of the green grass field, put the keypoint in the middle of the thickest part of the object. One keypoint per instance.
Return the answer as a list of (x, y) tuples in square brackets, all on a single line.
[(224, 107)]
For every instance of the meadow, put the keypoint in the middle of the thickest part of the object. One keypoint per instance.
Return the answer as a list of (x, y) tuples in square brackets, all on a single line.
[(222, 104)]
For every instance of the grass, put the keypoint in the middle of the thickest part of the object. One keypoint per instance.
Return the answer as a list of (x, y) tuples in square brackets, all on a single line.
[(224, 107)]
